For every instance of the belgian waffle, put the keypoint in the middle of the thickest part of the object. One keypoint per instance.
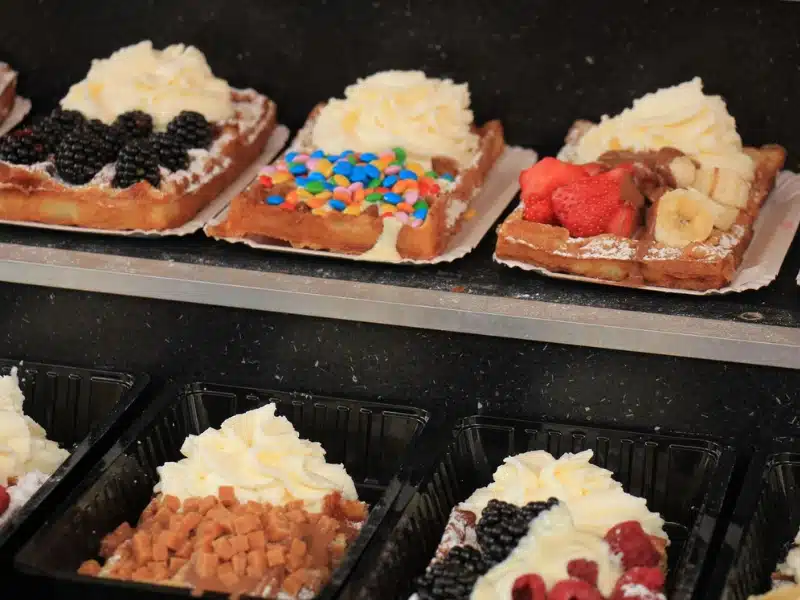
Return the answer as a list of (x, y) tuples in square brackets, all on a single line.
[(250, 217), (35, 193), (640, 259), (8, 90)]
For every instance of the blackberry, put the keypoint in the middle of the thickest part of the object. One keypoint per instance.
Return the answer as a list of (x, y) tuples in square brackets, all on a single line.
[(137, 161), (191, 130), (453, 577), (110, 137), (67, 119), (170, 152), (134, 124), (51, 131), (23, 147), (79, 156), (502, 525)]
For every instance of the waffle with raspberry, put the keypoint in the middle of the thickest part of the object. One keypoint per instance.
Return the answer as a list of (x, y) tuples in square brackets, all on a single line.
[(8, 90), (218, 544), (489, 545)]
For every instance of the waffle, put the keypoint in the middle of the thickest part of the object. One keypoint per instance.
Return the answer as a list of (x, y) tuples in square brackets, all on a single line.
[(640, 260), (33, 193), (219, 544), (250, 217), (8, 90)]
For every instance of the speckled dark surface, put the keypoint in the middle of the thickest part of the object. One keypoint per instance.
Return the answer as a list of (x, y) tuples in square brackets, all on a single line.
[(537, 66)]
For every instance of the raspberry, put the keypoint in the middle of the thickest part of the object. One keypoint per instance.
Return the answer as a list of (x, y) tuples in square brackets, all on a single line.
[(529, 587), (574, 589), (585, 570), (641, 583), (629, 540), (5, 500)]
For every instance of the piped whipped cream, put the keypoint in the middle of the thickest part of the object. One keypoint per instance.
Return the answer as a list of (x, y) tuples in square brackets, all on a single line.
[(791, 565), (22, 491), (24, 446), (595, 500), (161, 83), (681, 117), (426, 116), (262, 456), (552, 541)]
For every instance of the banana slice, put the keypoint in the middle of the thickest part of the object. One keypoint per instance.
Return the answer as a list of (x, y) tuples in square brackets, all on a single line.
[(682, 219), (722, 185), (724, 216), (683, 171)]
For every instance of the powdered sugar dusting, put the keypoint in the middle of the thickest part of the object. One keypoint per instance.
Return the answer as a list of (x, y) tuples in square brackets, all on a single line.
[(708, 252), (607, 247)]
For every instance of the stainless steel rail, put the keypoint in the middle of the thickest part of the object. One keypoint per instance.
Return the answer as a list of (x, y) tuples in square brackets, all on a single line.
[(392, 305)]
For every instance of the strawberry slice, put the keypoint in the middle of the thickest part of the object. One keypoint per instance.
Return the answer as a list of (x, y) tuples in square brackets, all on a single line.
[(592, 169), (625, 222), (537, 208), (547, 175), (5, 500), (585, 207), (529, 587)]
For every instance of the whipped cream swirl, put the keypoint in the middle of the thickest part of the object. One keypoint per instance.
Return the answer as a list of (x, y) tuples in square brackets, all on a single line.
[(262, 457), (24, 445), (428, 117), (681, 117), (161, 83), (596, 501)]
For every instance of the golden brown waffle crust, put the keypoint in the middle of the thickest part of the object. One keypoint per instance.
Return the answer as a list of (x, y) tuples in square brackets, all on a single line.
[(8, 90), (249, 217), (32, 194), (634, 262)]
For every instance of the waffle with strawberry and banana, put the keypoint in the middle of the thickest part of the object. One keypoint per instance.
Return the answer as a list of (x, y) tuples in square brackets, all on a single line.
[(786, 578), (549, 528), (8, 90), (390, 169), (663, 194), (146, 141)]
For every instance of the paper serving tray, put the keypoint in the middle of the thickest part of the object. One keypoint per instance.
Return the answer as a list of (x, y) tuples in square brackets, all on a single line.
[(774, 231), (498, 191), (78, 408), (684, 479), (765, 519), (369, 438), (276, 142)]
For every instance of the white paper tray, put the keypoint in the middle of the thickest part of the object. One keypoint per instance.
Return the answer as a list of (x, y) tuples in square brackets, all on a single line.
[(774, 231), (274, 145), (22, 106), (498, 191)]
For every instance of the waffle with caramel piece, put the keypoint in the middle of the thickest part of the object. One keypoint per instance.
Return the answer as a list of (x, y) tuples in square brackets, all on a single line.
[(633, 256), (8, 90), (36, 192), (352, 224), (219, 544)]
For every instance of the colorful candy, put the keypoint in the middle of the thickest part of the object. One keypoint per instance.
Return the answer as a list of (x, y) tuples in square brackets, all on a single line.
[(349, 183)]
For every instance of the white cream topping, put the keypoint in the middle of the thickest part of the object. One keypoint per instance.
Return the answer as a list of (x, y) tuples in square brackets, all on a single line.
[(552, 541), (426, 116), (681, 117), (262, 457), (594, 499), (791, 565), (24, 445), (385, 248), (21, 492), (161, 83)]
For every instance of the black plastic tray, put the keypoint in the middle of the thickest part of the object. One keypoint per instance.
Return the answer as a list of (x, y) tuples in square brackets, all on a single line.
[(369, 438), (766, 517), (78, 408), (685, 479)]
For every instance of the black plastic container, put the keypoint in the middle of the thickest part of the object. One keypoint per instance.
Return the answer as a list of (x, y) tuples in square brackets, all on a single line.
[(79, 409), (766, 517), (684, 479), (369, 438)]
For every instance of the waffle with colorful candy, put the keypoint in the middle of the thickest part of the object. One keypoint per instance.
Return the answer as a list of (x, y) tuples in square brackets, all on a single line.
[(664, 194), (8, 90), (146, 141), (393, 199)]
